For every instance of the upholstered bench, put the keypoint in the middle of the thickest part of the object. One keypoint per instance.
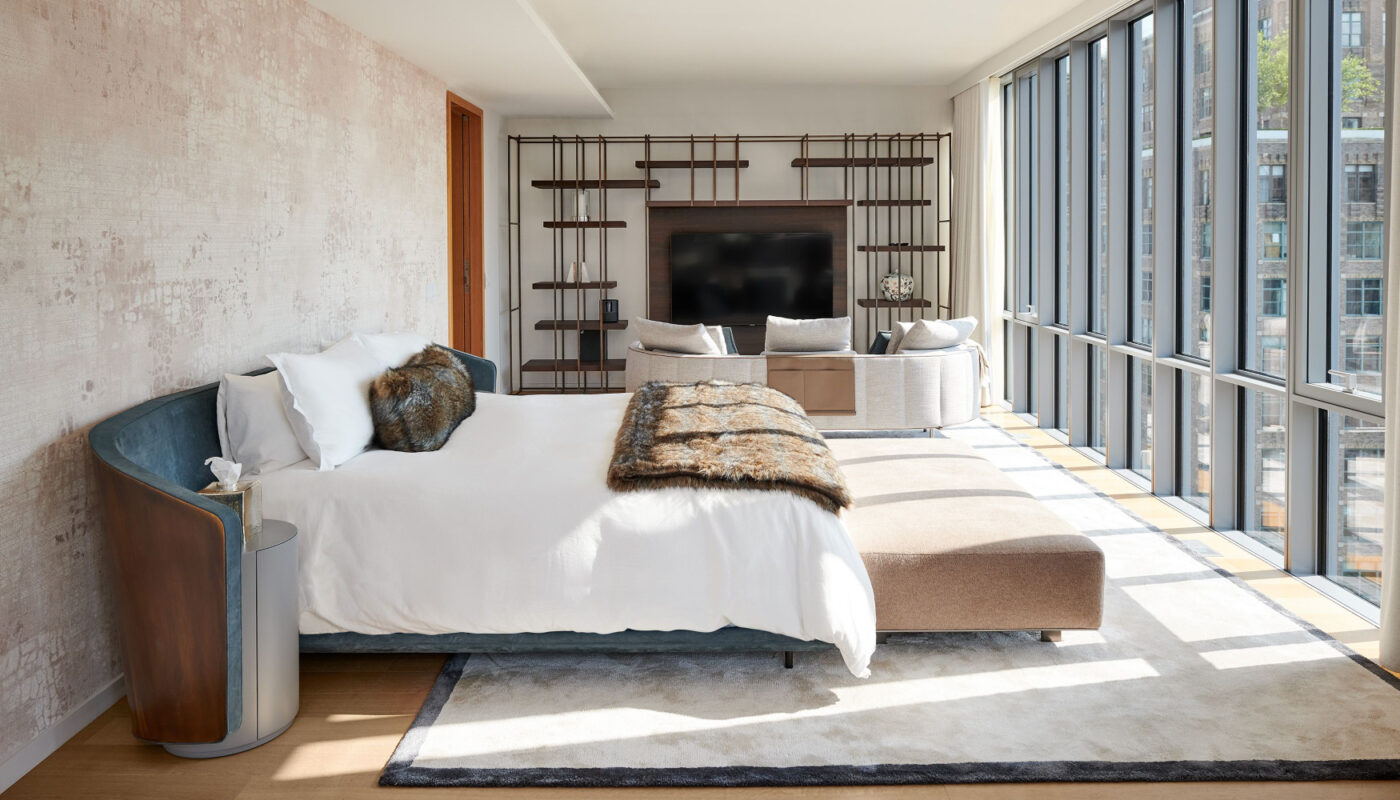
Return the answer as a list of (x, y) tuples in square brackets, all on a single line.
[(953, 544)]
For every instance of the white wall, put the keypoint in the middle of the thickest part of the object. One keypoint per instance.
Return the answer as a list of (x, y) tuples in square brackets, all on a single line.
[(187, 187), (702, 112)]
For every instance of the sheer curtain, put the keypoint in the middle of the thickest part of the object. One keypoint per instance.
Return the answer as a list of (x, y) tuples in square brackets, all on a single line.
[(1390, 548), (978, 271)]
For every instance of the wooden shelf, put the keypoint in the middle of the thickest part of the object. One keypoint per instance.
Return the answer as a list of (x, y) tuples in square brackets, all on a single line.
[(696, 164), (573, 365), (574, 285), (900, 161), (900, 248), (610, 183), (592, 223), (744, 203), (880, 302), (899, 203), (571, 390), (579, 325)]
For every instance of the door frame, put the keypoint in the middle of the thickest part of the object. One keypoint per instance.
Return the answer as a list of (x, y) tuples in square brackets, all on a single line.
[(465, 224)]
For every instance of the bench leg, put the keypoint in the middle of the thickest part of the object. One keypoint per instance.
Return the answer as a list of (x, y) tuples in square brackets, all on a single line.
[(1050, 636), (787, 659)]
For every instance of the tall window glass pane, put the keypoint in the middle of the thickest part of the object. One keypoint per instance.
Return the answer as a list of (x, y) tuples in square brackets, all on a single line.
[(1198, 152), (1028, 192), (1098, 186), (1062, 384), (1062, 209), (1141, 122), (1008, 389), (1194, 426), (1196, 195), (1008, 198), (1266, 275), (1356, 481), (1140, 402), (1356, 344), (1098, 398), (1261, 501)]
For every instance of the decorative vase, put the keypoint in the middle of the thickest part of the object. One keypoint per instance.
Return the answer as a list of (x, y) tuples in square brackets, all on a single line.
[(897, 287)]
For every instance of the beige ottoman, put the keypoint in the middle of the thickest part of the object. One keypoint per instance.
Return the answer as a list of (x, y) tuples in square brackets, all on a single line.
[(953, 544)]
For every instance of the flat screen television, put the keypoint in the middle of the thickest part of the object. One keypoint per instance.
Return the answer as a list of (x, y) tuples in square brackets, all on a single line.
[(741, 278)]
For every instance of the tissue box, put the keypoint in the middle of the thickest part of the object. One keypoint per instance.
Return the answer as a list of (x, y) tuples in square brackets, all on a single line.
[(246, 500)]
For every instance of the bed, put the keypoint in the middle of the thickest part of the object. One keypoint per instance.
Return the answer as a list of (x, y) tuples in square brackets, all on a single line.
[(409, 552)]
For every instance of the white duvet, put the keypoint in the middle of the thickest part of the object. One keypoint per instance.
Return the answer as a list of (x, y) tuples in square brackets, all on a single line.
[(510, 528)]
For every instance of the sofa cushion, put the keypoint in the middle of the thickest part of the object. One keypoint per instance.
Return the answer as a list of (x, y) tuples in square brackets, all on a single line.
[(693, 339), (880, 344), (807, 335), (936, 334), (957, 545)]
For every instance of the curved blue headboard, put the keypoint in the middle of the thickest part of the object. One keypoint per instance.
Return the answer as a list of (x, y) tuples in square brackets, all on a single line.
[(163, 444)]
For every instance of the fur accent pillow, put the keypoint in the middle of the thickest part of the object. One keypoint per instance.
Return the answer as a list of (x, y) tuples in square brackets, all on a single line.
[(417, 406)]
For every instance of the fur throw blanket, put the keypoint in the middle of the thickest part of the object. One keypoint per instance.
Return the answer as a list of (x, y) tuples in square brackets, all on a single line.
[(417, 406), (716, 435)]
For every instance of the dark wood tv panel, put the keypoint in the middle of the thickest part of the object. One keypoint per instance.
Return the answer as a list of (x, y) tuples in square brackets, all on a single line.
[(663, 221)]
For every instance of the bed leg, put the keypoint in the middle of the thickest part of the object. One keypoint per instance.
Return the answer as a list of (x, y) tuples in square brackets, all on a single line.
[(1050, 636), (881, 638), (787, 659)]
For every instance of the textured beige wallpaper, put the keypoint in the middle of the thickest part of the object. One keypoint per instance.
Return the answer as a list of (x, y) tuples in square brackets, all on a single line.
[(184, 187)]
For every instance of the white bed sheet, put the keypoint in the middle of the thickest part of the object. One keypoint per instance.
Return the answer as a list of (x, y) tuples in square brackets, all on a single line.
[(510, 528)]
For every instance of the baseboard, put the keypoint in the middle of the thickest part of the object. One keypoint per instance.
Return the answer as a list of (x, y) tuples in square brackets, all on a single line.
[(44, 745)]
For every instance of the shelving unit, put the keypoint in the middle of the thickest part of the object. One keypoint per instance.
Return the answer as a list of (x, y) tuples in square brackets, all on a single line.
[(579, 325), (587, 183), (897, 221), (585, 223)]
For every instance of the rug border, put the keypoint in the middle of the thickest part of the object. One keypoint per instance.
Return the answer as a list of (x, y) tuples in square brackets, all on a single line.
[(406, 751), (399, 771)]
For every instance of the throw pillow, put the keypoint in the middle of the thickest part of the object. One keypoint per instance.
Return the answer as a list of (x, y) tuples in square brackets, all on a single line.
[(807, 335), (936, 334), (417, 406), (326, 397), (880, 344), (716, 333), (694, 339), (253, 426)]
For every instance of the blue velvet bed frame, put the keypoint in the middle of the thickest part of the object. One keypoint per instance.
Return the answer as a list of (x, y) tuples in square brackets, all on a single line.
[(151, 464)]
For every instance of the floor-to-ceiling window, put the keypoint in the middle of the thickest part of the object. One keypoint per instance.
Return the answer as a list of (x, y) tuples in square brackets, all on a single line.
[(1216, 303)]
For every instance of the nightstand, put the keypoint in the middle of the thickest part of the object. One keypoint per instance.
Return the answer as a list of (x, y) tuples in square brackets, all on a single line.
[(271, 658)]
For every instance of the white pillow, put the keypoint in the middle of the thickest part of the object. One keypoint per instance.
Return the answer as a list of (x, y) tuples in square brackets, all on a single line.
[(807, 335), (716, 333), (935, 334), (326, 397), (676, 338), (253, 426), (393, 349), (897, 332)]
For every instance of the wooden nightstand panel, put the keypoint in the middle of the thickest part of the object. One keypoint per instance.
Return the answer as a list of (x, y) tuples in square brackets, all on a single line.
[(169, 574), (823, 385), (830, 392), (789, 382)]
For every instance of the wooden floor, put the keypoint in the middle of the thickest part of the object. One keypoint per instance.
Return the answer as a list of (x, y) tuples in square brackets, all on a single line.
[(354, 708)]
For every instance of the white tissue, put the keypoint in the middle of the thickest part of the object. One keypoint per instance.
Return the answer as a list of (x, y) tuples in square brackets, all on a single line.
[(225, 471)]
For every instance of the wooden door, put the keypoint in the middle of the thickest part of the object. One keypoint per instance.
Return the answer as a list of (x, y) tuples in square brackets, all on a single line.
[(464, 233)]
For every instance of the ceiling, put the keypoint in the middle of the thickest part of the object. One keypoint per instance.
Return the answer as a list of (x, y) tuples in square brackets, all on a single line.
[(654, 43), (550, 57), (497, 53)]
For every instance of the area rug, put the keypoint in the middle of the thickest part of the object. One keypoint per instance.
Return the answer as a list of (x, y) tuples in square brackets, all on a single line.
[(1194, 676)]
